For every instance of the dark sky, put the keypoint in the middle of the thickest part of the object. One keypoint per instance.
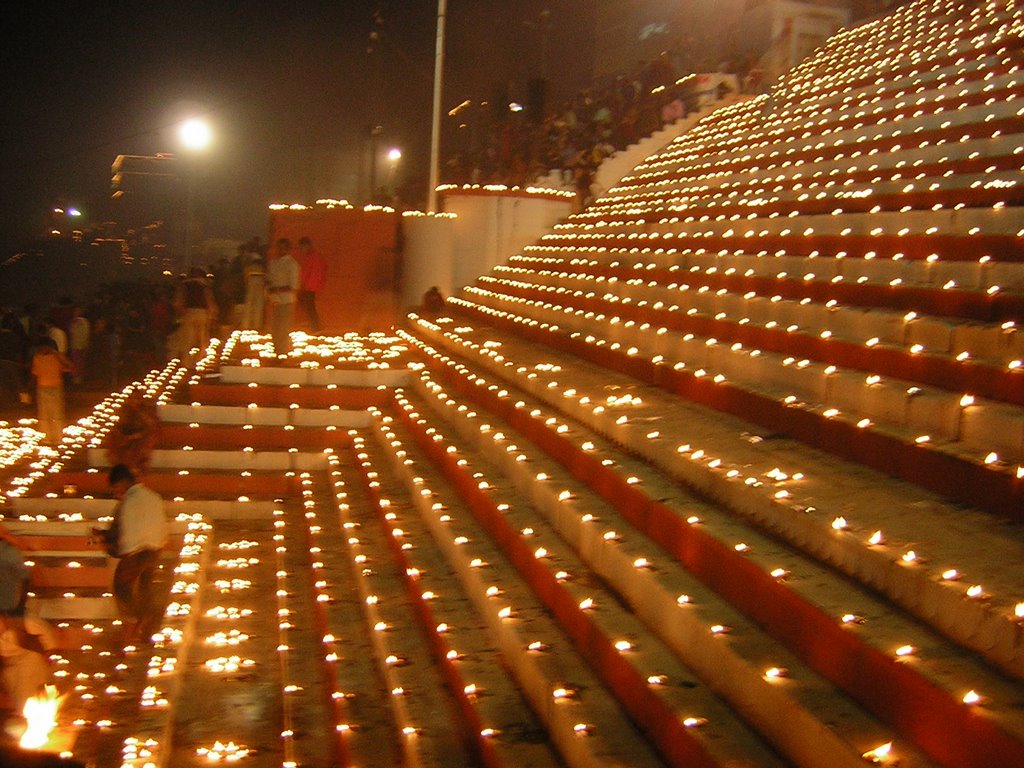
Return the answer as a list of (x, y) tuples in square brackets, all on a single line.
[(289, 88)]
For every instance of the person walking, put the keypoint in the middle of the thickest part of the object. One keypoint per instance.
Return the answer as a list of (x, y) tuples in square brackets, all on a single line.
[(282, 287), (136, 537), (312, 277)]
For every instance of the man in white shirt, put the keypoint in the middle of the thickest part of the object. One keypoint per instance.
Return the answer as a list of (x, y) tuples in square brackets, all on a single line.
[(59, 337), (282, 288), (78, 343), (141, 533)]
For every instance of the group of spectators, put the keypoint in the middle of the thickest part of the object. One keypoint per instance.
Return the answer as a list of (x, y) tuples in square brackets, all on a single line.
[(236, 294), (115, 334), (124, 329), (613, 113)]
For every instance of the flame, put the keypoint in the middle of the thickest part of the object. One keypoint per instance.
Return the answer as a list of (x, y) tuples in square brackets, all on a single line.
[(879, 754), (41, 715)]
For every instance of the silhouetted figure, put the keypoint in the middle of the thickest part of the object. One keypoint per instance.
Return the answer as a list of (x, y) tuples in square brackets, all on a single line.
[(433, 301)]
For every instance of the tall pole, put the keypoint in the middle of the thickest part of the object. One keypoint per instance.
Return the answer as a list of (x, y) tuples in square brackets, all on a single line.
[(375, 131), (435, 127), (190, 194)]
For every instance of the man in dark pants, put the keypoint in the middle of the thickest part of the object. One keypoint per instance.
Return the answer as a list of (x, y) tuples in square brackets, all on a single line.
[(137, 537), (312, 278)]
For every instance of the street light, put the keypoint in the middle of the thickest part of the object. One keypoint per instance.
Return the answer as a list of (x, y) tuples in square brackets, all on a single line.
[(195, 135), (394, 155)]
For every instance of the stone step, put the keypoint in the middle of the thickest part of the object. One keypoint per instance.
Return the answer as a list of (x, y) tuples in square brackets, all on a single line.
[(58, 516), (315, 377), (940, 665), (783, 486), (262, 416), (554, 665), (497, 721)]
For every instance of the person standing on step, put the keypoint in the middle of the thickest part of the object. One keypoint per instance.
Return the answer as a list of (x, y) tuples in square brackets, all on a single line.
[(49, 367), (312, 277), (282, 288), (197, 309), (255, 291)]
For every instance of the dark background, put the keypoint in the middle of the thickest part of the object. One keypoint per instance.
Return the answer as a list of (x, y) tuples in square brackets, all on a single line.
[(291, 91)]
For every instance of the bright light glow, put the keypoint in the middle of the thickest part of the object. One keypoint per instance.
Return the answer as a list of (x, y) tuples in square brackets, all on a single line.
[(41, 718), (195, 134)]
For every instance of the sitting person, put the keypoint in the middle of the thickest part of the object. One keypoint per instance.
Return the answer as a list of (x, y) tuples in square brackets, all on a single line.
[(24, 640), (433, 301), (132, 440)]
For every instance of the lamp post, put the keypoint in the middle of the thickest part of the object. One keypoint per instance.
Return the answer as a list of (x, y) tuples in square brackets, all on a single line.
[(195, 135), (435, 126)]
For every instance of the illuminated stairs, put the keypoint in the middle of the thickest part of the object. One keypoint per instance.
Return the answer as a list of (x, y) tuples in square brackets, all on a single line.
[(726, 470)]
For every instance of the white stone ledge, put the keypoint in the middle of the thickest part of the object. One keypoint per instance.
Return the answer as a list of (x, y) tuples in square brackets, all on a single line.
[(225, 414), (234, 459), (342, 377), (319, 417), (92, 509), (60, 608), (536, 674), (264, 416), (244, 374)]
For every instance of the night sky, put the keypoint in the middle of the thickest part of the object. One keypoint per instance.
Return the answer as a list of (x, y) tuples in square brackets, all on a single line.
[(290, 89)]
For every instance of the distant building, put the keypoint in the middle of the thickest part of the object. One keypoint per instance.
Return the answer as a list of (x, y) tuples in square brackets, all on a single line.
[(779, 34), (716, 35), (631, 31)]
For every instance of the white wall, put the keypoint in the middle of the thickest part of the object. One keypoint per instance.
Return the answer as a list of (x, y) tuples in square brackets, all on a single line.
[(487, 228), (490, 228), (428, 256)]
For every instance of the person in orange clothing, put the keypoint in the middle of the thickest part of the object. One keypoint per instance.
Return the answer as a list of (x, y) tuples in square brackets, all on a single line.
[(49, 367), (132, 440)]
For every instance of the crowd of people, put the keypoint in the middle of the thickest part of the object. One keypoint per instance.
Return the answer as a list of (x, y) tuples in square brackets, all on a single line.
[(609, 116), (124, 329)]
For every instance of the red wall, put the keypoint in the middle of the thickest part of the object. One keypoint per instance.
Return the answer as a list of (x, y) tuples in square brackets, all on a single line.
[(362, 263)]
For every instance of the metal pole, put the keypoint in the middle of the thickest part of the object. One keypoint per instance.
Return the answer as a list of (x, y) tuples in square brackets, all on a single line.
[(435, 127), (189, 205), (374, 133)]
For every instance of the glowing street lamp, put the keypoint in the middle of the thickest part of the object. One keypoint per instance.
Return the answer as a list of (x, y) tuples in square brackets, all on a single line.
[(195, 135), (394, 155)]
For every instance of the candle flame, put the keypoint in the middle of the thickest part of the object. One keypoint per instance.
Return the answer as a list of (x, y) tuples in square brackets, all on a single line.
[(879, 753), (41, 715)]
